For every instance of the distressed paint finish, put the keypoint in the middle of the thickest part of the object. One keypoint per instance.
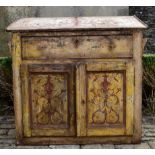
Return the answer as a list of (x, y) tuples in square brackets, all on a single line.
[(16, 53), (76, 47), (81, 100), (49, 100), (78, 23), (25, 101), (109, 98), (77, 86), (105, 99), (138, 51), (48, 109)]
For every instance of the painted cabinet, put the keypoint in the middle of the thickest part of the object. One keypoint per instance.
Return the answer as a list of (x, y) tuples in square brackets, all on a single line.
[(76, 82)]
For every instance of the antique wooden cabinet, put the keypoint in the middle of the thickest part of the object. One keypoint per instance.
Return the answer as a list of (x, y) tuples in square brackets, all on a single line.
[(77, 80)]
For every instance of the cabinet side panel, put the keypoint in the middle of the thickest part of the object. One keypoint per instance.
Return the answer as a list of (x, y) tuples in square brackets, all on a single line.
[(16, 57), (137, 51)]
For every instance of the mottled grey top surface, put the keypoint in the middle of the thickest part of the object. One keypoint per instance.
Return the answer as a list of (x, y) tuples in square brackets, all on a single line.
[(115, 22)]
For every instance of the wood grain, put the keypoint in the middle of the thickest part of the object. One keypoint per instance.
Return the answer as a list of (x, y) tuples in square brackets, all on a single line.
[(137, 49), (47, 108), (16, 60), (76, 47), (111, 93), (81, 100)]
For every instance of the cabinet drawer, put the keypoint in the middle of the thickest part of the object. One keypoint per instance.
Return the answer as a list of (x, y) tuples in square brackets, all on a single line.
[(76, 47)]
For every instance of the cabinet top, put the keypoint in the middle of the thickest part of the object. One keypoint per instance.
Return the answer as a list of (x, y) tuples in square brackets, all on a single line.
[(76, 23)]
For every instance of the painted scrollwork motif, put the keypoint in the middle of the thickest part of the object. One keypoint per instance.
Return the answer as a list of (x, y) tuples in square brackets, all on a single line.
[(49, 99), (105, 98)]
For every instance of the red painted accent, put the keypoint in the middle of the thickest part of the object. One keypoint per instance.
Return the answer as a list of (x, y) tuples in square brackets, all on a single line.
[(48, 86)]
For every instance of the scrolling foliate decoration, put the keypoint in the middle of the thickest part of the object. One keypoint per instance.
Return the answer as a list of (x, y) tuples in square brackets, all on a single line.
[(105, 98), (49, 99)]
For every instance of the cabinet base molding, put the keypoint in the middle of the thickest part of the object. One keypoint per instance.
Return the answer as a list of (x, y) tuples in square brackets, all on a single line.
[(75, 140)]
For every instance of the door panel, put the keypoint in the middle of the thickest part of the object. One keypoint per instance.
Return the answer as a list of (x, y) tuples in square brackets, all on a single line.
[(109, 88), (105, 98), (48, 109)]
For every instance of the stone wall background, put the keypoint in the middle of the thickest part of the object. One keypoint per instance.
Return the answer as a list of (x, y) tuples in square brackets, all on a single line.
[(147, 15), (10, 14)]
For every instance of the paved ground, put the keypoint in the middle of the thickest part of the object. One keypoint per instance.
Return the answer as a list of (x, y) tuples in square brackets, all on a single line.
[(7, 137)]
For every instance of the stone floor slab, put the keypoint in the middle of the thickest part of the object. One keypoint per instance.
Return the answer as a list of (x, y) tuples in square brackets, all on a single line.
[(64, 146), (7, 141), (7, 146), (142, 146), (108, 146), (126, 146), (32, 147), (12, 133), (148, 138), (92, 146), (152, 144), (7, 118), (4, 137), (3, 131), (133, 146), (150, 134), (7, 126)]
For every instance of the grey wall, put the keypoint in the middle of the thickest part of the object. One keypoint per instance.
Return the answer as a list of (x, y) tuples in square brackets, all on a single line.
[(10, 14), (147, 15), (83, 11)]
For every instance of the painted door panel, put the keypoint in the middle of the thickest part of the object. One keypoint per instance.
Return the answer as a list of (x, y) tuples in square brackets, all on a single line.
[(48, 108), (106, 99)]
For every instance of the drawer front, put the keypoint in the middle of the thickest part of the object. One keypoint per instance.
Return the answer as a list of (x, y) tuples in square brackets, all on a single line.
[(76, 47)]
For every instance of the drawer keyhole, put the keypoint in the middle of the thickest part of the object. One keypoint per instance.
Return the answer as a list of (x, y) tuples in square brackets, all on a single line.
[(83, 102), (76, 43)]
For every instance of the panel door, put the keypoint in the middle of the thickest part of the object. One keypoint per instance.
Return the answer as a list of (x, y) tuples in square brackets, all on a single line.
[(48, 100), (105, 98)]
